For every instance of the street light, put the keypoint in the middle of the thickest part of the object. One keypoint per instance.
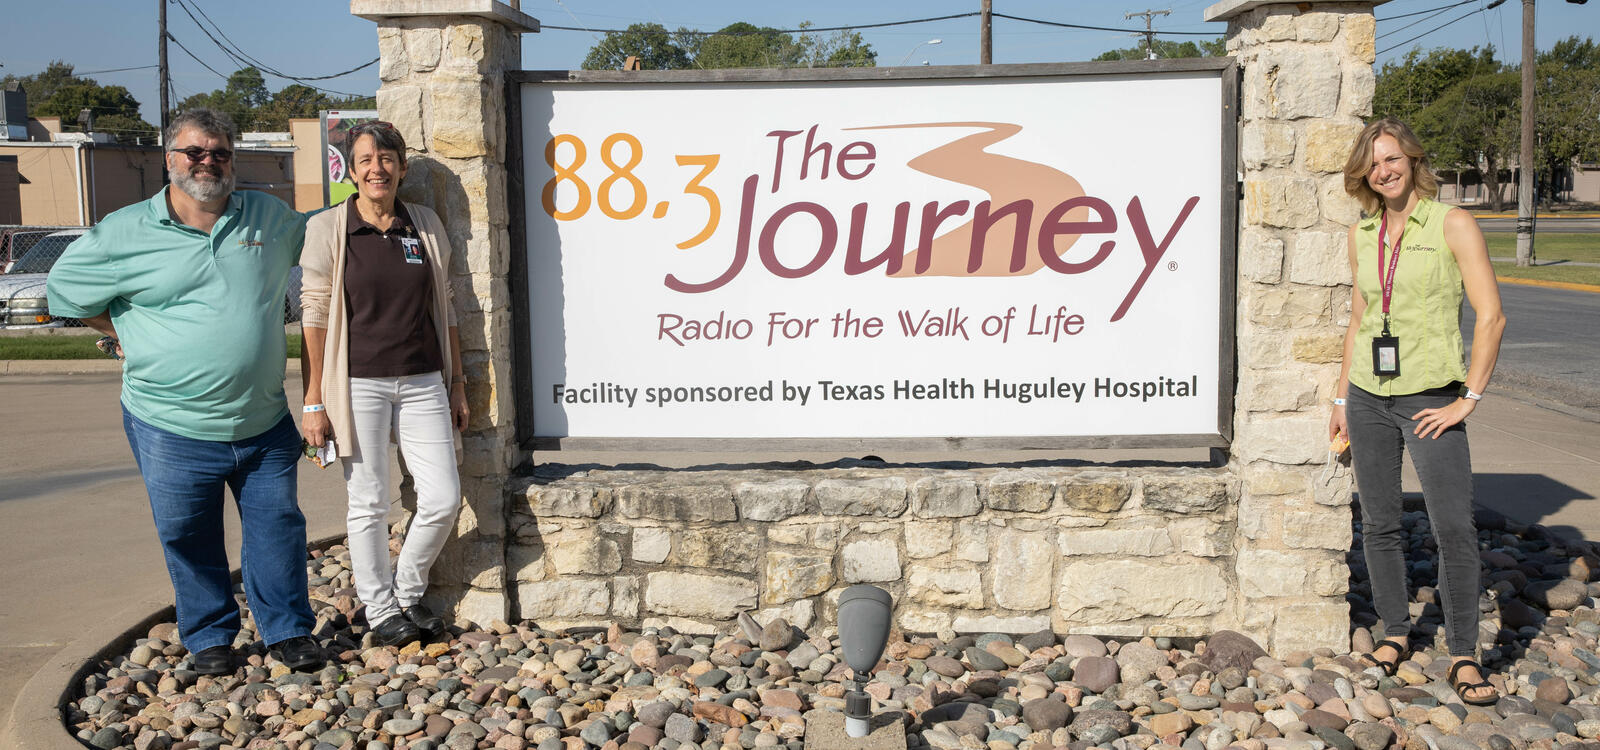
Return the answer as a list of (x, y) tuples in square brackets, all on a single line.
[(919, 46)]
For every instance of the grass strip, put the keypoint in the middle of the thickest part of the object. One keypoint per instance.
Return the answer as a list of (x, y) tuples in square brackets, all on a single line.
[(78, 347)]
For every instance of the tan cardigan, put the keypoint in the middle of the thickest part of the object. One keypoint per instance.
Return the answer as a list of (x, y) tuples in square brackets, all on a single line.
[(322, 262)]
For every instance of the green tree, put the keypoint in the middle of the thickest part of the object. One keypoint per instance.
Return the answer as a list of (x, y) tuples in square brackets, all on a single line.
[(1566, 117), (650, 43), (58, 92), (743, 45), (1405, 88), (1475, 125), (244, 93), (1573, 53), (841, 49), (738, 45), (1166, 49)]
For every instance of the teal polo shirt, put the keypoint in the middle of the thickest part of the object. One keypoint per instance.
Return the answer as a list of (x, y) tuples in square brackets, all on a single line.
[(200, 316)]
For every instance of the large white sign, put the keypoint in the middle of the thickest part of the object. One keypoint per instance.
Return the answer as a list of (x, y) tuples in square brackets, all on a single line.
[(921, 258)]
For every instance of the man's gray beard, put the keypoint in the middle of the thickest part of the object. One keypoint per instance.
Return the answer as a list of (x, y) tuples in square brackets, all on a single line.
[(205, 192)]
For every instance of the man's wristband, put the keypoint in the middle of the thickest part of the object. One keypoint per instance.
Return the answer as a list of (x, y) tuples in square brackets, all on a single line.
[(1471, 394), (1338, 402), (309, 408)]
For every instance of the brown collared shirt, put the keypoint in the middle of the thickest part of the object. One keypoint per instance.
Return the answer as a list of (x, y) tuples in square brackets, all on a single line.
[(388, 283)]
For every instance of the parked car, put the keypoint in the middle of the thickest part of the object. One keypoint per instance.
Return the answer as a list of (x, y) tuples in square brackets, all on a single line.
[(22, 291), (16, 241)]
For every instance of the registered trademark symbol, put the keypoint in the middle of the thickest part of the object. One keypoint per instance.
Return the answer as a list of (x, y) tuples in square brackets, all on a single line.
[(1172, 265)]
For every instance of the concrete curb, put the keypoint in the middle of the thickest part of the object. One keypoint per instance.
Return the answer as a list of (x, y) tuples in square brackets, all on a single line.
[(36, 722), (1550, 284), (84, 366), (58, 366)]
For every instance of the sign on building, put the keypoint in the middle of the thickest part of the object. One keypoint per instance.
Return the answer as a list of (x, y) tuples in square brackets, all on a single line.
[(1005, 252)]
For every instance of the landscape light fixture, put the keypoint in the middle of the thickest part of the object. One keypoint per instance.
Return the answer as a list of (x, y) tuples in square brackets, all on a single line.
[(863, 634)]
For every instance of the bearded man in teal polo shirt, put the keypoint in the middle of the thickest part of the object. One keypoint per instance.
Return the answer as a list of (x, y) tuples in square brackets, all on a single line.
[(190, 285)]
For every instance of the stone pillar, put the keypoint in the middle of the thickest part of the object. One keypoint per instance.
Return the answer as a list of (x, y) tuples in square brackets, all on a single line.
[(1307, 87), (443, 66)]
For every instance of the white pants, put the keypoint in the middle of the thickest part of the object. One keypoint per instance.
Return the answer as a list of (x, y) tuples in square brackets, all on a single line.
[(417, 409)]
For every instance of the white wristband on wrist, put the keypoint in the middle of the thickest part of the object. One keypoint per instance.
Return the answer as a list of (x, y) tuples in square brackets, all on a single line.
[(1338, 402), (309, 408), (1474, 395)]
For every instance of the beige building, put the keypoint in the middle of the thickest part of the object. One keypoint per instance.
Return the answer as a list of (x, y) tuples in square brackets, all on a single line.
[(76, 179)]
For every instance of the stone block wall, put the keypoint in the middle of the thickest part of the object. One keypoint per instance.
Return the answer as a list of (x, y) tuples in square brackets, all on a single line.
[(1105, 551), (1306, 88), (443, 88)]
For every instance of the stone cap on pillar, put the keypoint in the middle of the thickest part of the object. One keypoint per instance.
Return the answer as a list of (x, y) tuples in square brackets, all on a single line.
[(508, 14), (1229, 9)]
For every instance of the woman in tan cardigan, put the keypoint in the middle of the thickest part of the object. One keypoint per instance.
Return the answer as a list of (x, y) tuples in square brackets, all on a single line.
[(382, 355)]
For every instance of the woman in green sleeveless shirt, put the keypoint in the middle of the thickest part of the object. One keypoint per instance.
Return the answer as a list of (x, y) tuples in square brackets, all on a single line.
[(1405, 385)]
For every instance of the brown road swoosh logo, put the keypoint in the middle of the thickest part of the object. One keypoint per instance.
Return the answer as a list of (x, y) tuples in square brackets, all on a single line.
[(1006, 180)]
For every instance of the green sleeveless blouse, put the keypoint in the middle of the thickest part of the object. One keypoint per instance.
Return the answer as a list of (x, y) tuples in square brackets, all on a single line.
[(1424, 311)]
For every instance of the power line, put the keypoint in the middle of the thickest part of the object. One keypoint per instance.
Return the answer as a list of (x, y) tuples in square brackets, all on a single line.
[(1430, 31), (1429, 10), (245, 60), (110, 70), (1104, 28), (1424, 19), (778, 31), (194, 57), (885, 24)]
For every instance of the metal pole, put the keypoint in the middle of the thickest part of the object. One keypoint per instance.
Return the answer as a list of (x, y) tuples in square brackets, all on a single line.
[(985, 34), (1525, 207), (1149, 33)]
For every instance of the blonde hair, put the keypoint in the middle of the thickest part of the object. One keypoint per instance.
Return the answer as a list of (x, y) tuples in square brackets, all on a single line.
[(1423, 181)]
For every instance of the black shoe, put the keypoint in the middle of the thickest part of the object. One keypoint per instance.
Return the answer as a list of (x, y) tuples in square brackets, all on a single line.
[(395, 631), (431, 625), (301, 653), (215, 660)]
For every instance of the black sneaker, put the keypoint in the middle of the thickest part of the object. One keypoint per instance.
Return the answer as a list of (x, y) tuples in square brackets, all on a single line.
[(214, 661), (395, 631), (431, 625), (301, 653)]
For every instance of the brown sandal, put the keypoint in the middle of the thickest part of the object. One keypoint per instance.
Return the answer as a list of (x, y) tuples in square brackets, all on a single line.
[(1388, 667), (1461, 688)]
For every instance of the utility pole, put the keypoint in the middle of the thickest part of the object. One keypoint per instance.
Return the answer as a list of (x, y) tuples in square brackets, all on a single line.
[(1149, 33), (161, 62), (985, 34), (1525, 208)]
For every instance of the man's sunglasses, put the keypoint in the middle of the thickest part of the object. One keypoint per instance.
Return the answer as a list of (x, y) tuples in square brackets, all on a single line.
[(197, 154)]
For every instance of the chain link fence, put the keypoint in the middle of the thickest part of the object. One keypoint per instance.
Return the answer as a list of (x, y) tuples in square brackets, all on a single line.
[(27, 254)]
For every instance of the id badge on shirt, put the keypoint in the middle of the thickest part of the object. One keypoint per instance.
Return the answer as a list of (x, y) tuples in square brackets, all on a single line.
[(1385, 356), (412, 248)]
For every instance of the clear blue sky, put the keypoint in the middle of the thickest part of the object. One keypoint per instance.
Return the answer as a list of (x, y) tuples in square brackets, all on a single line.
[(320, 37)]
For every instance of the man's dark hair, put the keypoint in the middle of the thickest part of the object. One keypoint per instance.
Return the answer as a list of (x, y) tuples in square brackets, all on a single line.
[(385, 137), (208, 121)]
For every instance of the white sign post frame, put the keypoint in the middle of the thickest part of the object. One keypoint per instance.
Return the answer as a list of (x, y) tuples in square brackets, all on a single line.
[(610, 358)]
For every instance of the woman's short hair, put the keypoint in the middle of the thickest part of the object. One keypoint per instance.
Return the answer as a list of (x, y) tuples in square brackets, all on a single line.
[(208, 121), (1424, 182), (385, 137)]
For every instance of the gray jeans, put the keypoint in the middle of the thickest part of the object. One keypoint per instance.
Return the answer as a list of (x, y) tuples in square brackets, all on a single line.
[(1381, 430)]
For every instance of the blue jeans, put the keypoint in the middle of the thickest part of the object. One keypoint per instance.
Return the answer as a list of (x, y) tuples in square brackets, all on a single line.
[(185, 478)]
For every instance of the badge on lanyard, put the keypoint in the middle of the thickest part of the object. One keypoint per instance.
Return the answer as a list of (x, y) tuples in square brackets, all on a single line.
[(412, 248), (1386, 348)]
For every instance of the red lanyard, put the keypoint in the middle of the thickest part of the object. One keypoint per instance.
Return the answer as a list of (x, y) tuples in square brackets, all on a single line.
[(1394, 261)]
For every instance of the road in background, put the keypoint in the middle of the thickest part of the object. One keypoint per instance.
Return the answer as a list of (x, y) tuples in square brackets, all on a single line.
[(1550, 353), (1557, 224)]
